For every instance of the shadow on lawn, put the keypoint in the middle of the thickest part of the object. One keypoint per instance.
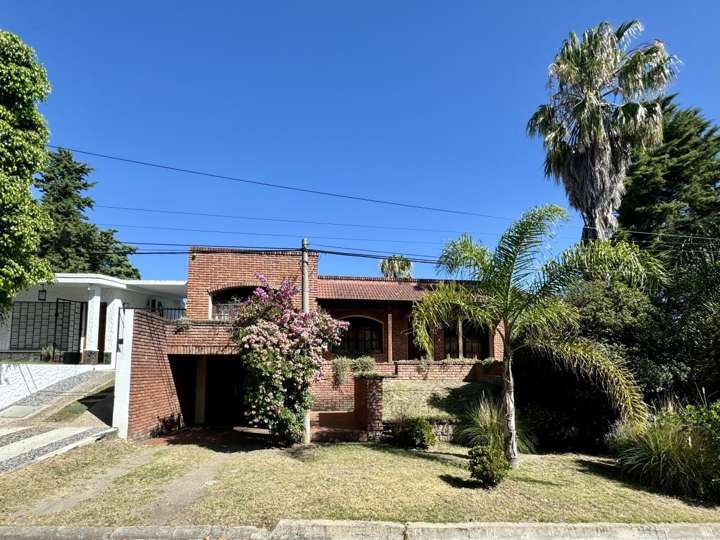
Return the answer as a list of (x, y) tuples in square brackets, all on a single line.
[(459, 482), (225, 440), (608, 469), (444, 458)]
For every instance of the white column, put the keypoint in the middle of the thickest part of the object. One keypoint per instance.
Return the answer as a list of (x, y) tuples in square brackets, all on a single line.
[(93, 319), (112, 318), (121, 407), (5, 332)]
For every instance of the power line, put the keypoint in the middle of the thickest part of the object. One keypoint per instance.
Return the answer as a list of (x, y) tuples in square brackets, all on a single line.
[(280, 186), (337, 195), (278, 235), (279, 220)]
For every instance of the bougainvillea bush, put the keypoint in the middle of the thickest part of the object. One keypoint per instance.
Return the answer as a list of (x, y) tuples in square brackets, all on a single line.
[(282, 351)]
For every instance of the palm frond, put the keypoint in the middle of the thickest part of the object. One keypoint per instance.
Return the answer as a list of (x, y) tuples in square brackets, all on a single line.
[(465, 257), (445, 304), (515, 258), (600, 260), (545, 319), (586, 358)]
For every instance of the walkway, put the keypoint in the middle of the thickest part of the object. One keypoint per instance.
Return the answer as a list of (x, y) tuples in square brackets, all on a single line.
[(21, 445)]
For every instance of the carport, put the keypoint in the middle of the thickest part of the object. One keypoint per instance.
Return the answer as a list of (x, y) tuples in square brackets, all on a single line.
[(209, 389)]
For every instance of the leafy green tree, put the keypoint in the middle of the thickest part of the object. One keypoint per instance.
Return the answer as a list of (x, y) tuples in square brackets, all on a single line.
[(674, 188), (396, 267), (75, 244), (603, 105), (672, 208), (633, 328), (511, 292), (23, 136)]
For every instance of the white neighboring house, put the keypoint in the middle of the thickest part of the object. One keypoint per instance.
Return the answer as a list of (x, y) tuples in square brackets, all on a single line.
[(79, 316)]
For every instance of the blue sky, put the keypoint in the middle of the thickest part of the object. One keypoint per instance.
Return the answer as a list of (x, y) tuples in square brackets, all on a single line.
[(421, 102)]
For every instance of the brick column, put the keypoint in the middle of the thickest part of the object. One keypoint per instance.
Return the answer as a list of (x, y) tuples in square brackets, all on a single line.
[(369, 405)]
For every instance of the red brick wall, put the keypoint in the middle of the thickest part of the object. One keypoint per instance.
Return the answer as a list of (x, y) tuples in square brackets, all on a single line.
[(329, 397), (154, 406), (211, 270), (202, 337), (369, 404)]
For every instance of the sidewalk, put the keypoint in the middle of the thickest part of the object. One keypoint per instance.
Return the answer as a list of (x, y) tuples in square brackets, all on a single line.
[(356, 530)]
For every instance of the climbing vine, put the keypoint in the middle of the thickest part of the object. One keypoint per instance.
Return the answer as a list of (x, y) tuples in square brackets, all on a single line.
[(282, 352)]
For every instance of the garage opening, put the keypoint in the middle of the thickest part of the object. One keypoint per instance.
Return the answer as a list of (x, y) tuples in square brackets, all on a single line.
[(210, 389)]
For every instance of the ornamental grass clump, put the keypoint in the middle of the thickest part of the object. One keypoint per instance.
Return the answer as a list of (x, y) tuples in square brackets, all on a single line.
[(483, 424), (282, 351), (678, 451)]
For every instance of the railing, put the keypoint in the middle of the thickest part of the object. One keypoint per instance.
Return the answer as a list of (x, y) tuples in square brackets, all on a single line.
[(171, 314)]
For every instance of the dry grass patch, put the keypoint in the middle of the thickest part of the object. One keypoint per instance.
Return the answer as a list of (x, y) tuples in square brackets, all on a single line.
[(128, 499), (353, 481)]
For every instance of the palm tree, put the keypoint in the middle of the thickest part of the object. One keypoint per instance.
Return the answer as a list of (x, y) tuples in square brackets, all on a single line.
[(396, 267), (603, 104), (510, 290)]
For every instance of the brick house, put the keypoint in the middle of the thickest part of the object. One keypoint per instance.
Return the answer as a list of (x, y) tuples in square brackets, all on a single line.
[(170, 374)]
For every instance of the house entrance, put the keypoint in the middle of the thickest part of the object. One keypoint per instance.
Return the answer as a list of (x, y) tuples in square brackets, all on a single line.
[(210, 389)]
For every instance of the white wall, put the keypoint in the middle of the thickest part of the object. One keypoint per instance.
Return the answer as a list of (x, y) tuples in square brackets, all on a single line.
[(5, 332), (18, 381), (121, 406)]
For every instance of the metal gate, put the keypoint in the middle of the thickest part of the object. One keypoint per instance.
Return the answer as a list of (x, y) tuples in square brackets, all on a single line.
[(38, 325)]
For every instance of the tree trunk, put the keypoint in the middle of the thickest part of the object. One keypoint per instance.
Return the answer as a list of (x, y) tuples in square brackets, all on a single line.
[(511, 451)]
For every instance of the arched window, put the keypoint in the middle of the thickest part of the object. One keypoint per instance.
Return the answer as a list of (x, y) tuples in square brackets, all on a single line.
[(364, 336), (224, 301)]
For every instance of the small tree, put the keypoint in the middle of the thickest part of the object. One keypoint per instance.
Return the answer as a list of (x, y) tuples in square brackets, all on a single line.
[(282, 351), (23, 136), (396, 267), (510, 290)]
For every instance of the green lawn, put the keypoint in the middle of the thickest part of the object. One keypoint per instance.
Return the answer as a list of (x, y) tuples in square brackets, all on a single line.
[(444, 399), (342, 481)]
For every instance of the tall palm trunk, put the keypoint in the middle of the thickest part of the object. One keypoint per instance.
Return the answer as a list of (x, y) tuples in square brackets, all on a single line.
[(511, 451)]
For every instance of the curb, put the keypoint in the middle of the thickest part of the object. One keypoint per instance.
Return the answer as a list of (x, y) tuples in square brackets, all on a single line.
[(365, 530)]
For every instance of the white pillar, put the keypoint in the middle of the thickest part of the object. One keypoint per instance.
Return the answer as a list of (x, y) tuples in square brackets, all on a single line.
[(112, 319), (93, 321), (123, 365)]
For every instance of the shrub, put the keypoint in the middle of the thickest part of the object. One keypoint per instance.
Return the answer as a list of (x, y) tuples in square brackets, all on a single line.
[(488, 465), (341, 367), (415, 433), (289, 427), (364, 365), (281, 351), (484, 425), (675, 453)]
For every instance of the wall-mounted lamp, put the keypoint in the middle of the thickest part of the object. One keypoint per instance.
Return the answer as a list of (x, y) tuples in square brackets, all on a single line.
[(42, 293)]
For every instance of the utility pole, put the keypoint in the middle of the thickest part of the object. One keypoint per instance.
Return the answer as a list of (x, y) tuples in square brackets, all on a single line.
[(305, 277), (305, 289)]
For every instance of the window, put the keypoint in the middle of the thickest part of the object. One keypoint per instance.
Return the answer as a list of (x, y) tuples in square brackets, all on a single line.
[(475, 341), (364, 336), (223, 302)]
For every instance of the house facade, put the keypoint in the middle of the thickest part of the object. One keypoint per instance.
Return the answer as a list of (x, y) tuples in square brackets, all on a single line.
[(186, 373), (77, 318)]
